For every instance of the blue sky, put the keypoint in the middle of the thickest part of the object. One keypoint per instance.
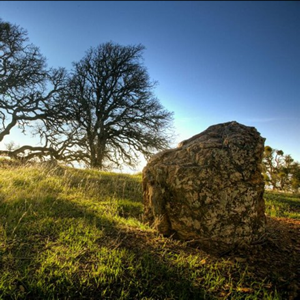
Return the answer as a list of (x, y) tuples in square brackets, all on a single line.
[(214, 61)]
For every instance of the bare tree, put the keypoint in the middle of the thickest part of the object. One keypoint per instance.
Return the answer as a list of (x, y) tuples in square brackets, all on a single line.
[(113, 108), (28, 91)]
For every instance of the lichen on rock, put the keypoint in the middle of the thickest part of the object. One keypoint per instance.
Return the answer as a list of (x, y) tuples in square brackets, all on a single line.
[(209, 188)]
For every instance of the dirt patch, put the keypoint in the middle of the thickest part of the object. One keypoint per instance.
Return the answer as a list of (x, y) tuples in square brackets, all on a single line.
[(277, 258)]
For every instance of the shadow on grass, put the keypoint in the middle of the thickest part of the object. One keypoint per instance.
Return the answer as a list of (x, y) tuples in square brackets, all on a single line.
[(29, 232)]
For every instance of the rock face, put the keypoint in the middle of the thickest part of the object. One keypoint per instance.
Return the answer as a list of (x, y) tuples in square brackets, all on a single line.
[(209, 188)]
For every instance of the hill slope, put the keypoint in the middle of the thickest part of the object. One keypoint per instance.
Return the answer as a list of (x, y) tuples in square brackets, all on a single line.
[(78, 234)]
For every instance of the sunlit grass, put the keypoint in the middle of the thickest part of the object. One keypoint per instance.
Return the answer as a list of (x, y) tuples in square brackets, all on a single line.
[(282, 204), (78, 234)]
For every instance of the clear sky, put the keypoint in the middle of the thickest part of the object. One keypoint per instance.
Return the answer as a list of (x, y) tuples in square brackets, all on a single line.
[(214, 61)]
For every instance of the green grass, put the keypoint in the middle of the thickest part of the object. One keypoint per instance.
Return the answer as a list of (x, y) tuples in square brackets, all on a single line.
[(285, 205), (78, 234)]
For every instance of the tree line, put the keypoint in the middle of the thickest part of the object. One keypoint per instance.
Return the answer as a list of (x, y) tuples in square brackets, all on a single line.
[(103, 113), (281, 172)]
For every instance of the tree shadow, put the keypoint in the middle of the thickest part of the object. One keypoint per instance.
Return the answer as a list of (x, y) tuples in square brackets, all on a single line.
[(28, 235)]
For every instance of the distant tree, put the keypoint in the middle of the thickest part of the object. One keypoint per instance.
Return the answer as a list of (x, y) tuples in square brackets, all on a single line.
[(279, 170), (113, 109), (270, 166), (295, 180), (28, 91), (285, 171)]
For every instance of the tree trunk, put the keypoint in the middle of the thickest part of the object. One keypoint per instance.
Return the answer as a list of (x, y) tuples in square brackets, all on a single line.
[(98, 155)]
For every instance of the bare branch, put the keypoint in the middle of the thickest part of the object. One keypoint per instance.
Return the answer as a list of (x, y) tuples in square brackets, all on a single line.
[(110, 98)]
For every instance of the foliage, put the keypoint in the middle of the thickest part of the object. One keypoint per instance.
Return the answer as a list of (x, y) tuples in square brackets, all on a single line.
[(70, 234), (280, 171)]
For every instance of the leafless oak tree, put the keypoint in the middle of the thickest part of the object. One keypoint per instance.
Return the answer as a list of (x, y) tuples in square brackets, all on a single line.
[(28, 91), (113, 107), (105, 114)]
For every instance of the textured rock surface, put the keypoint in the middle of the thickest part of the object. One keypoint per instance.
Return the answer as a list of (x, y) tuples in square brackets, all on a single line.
[(209, 188)]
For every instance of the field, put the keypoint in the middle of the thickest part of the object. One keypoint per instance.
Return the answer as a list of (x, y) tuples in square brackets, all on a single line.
[(78, 234)]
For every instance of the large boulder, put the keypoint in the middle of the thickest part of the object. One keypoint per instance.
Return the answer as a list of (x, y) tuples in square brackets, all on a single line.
[(209, 189)]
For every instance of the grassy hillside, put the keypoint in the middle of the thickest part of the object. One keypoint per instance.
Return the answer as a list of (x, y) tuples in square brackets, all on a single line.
[(282, 205), (78, 234)]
